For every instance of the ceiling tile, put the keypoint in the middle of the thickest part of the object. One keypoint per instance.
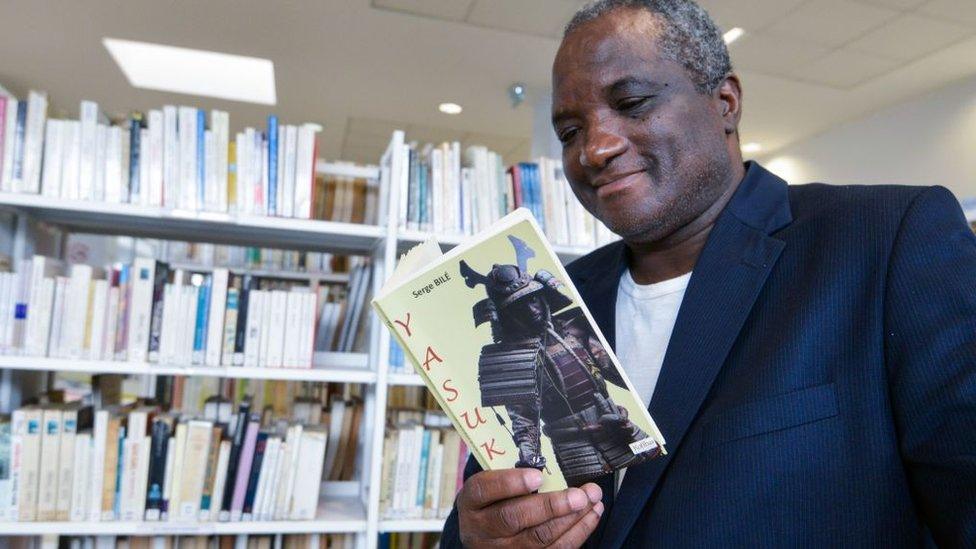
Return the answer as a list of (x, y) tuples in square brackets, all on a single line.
[(894, 4), (450, 10), (844, 69), (953, 10), (773, 55), (538, 17), (910, 37), (751, 15), (831, 22)]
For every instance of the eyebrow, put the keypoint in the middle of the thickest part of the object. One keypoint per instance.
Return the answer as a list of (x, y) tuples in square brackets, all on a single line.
[(631, 82)]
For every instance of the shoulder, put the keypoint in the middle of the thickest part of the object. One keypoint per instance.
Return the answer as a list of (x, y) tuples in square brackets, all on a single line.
[(866, 214), (874, 202), (596, 261)]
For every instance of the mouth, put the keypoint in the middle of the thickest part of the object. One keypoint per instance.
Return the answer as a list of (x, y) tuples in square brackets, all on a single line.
[(617, 184)]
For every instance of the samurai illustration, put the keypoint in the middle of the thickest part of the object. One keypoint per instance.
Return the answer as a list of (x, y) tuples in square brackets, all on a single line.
[(549, 370)]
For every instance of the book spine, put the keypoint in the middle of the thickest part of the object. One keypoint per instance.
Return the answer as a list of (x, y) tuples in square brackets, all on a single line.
[(9, 131), (34, 141), (81, 468), (201, 173), (171, 157), (273, 165), (255, 476), (155, 125), (122, 318), (217, 313), (17, 175), (223, 460), (202, 310), (51, 176), (97, 466), (4, 114), (135, 158), (244, 469), (230, 327), (233, 460), (188, 157), (143, 281), (47, 500), (66, 463), (160, 276), (159, 448), (258, 302)]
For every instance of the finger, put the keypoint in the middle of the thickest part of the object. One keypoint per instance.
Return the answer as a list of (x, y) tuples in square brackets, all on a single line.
[(511, 517), (545, 534), (488, 487), (577, 534)]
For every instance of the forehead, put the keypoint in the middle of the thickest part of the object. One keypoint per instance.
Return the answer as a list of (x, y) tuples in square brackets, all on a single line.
[(610, 47)]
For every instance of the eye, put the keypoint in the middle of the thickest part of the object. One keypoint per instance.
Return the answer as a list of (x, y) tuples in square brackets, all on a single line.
[(630, 103), (566, 134)]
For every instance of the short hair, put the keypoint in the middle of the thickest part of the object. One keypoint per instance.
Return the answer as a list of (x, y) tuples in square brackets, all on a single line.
[(690, 37)]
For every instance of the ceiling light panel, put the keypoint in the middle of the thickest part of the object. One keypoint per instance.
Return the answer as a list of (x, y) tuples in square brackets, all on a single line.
[(194, 72)]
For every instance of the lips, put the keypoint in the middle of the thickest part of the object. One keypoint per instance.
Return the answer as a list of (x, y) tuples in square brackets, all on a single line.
[(616, 184)]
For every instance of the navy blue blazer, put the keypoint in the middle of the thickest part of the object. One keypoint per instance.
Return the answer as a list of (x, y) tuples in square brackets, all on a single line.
[(819, 387)]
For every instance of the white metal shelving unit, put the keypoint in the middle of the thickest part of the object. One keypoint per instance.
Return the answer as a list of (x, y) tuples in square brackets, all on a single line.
[(355, 507)]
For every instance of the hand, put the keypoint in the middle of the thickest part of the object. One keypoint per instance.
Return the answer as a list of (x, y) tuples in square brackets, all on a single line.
[(499, 509)]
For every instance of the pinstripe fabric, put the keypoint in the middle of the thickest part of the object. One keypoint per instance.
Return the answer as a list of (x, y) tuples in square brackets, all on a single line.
[(820, 386)]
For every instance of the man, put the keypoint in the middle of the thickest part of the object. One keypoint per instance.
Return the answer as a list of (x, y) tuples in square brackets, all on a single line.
[(819, 386), (548, 369)]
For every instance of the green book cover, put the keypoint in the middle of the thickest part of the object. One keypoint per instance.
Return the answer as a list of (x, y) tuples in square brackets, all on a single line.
[(506, 345)]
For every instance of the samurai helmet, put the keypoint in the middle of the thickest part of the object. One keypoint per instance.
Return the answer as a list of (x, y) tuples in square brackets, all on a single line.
[(507, 284)]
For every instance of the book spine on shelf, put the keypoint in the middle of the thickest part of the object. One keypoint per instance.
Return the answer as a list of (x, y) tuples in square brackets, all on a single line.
[(273, 165), (200, 171), (143, 284), (230, 327), (155, 125), (217, 313), (135, 157), (254, 478), (34, 141), (201, 317), (244, 468)]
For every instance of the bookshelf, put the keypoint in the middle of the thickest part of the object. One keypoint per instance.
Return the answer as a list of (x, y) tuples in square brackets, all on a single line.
[(354, 508)]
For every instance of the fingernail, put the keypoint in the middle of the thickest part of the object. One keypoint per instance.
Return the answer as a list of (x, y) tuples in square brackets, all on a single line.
[(598, 508), (533, 479), (593, 492), (577, 499)]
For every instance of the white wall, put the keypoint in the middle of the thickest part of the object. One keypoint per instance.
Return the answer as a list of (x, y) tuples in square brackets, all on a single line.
[(930, 140)]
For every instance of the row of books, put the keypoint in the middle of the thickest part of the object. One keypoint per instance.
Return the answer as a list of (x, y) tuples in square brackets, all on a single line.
[(423, 465), (135, 462), (252, 258), (445, 192), (408, 540), (240, 541), (148, 312), (174, 157)]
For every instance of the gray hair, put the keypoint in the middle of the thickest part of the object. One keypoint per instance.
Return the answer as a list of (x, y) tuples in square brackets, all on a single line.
[(690, 37)]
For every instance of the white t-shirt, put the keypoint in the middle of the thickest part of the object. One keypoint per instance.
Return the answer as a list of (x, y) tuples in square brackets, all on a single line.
[(645, 319)]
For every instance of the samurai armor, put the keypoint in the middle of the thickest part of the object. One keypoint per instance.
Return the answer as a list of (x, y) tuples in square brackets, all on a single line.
[(508, 373), (587, 449)]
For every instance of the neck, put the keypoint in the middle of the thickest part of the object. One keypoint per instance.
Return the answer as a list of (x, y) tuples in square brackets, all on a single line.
[(677, 253)]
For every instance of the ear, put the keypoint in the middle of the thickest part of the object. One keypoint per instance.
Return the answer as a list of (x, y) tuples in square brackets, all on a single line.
[(728, 97)]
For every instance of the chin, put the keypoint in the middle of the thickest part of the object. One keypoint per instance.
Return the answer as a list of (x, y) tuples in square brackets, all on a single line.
[(637, 225)]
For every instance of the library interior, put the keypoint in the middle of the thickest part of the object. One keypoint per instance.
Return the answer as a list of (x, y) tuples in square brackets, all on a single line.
[(204, 205)]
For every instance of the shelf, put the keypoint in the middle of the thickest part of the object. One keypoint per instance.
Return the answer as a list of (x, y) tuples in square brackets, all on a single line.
[(343, 368), (405, 379), (265, 273), (412, 525), (408, 239), (335, 515), (153, 222)]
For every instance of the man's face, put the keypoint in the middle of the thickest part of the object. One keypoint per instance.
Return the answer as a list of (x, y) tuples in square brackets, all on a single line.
[(643, 149), (531, 311)]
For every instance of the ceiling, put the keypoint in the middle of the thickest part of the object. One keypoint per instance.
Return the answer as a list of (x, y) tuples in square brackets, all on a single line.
[(361, 68)]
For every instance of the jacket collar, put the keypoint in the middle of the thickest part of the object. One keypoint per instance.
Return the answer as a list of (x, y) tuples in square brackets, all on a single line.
[(728, 276)]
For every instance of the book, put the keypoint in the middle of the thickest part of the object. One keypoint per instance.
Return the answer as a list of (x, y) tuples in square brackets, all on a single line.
[(535, 351)]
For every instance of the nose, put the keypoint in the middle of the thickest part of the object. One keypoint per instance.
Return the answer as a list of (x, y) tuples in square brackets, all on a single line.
[(602, 145)]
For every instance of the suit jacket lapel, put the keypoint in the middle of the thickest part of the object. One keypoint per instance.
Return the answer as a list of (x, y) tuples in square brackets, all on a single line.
[(726, 281)]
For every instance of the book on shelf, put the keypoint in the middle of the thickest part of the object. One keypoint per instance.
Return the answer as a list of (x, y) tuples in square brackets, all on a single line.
[(422, 467), (143, 461), (241, 541), (150, 312), (504, 342), (448, 191), (174, 157), (408, 540)]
